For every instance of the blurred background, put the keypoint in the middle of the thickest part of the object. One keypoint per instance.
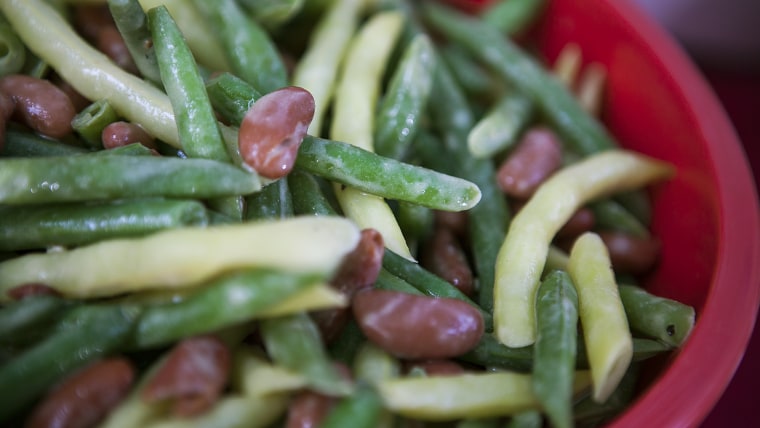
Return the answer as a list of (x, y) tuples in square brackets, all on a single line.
[(723, 38)]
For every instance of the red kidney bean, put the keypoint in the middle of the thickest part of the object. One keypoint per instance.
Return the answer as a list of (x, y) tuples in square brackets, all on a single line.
[(443, 255), (110, 42), (39, 104), (437, 367), (308, 409), (417, 327), (89, 20), (31, 289), (358, 271), (581, 221), (273, 128), (118, 134), (86, 397), (193, 376), (457, 222), (629, 253), (537, 155)]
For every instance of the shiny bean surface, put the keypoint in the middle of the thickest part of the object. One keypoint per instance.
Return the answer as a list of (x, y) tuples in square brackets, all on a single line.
[(193, 376), (273, 128), (118, 134), (417, 327), (537, 155), (39, 104), (86, 397), (444, 256)]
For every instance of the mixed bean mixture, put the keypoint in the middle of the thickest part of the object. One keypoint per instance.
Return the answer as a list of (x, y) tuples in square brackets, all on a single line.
[(302, 213)]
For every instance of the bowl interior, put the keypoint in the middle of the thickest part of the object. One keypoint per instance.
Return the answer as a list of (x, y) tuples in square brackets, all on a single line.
[(707, 216)]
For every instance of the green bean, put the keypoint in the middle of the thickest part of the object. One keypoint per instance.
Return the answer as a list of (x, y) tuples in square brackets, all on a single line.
[(294, 342), (88, 333), (489, 219), (82, 178), (581, 131), (427, 282), (638, 204), (362, 409), (555, 350), (657, 317), (227, 301), (308, 195), (388, 281), (13, 50), (399, 114), (415, 221), (22, 144), (317, 69), (489, 352), (272, 13), (131, 149), (365, 171), (273, 201), (512, 16), (90, 122), (588, 412), (501, 126), (19, 318), (346, 345), (473, 78), (132, 22), (42, 226), (231, 96), (199, 134), (248, 47), (611, 215)]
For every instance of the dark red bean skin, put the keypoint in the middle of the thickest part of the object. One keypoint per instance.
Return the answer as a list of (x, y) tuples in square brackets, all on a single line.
[(86, 397), (537, 155), (417, 327), (39, 104), (631, 254), (308, 409), (444, 256), (6, 110), (273, 128), (118, 134), (31, 289), (193, 376), (89, 20), (581, 221), (457, 222), (110, 42), (358, 271)]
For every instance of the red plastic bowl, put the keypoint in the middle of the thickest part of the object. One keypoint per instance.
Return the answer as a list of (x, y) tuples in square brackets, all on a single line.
[(707, 217)]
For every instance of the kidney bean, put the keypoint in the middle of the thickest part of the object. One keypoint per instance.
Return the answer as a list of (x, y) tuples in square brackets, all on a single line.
[(457, 222), (118, 134), (417, 327), (444, 256), (273, 128), (31, 289), (86, 397), (308, 409), (437, 367), (39, 104), (629, 253), (193, 376), (581, 221), (89, 20), (110, 42), (358, 271), (537, 155)]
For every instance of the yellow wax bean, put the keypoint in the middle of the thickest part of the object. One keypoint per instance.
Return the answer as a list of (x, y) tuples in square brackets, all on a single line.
[(522, 256), (608, 340)]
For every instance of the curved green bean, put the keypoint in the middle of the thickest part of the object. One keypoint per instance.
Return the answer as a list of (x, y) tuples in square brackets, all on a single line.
[(23, 144), (555, 350), (82, 178), (42, 226), (227, 301), (663, 319), (501, 126), (132, 22), (250, 51)]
